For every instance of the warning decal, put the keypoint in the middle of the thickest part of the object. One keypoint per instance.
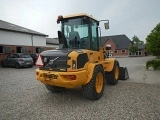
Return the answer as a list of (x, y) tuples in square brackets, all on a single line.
[(39, 61)]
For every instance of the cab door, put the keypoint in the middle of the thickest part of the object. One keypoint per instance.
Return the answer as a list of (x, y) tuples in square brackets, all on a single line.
[(94, 41)]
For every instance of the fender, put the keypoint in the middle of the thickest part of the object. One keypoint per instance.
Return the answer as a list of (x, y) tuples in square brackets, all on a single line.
[(108, 64), (90, 70)]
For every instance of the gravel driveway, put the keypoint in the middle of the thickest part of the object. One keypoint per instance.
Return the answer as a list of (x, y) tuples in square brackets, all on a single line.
[(25, 98)]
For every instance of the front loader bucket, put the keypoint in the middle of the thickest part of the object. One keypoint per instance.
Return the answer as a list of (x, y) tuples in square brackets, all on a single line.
[(123, 73)]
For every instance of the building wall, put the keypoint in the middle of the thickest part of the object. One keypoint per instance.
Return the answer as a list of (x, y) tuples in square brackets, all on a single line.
[(50, 45), (113, 48), (14, 41), (140, 52), (143, 52), (15, 38), (28, 49), (121, 53)]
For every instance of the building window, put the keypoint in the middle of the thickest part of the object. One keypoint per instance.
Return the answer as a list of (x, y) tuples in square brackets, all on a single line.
[(1, 49), (130, 53), (39, 50), (115, 51), (21, 49), (123, 51), (24, 50), (139, 52), (5, 49)]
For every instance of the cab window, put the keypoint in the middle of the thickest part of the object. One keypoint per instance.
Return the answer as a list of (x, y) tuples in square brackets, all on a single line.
[(94, 27)]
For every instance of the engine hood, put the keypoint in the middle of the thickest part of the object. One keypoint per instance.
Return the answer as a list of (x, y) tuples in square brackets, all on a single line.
[(57, 59), (60, 52)]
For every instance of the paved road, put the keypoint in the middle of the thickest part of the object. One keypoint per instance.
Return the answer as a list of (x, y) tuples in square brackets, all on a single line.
[(137, 70), (24, 98)]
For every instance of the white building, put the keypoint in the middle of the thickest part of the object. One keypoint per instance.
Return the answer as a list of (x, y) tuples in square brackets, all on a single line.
[(52, 42), (17, 39)]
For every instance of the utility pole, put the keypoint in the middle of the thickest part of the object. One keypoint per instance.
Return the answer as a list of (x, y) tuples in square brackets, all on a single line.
[(32, 41)]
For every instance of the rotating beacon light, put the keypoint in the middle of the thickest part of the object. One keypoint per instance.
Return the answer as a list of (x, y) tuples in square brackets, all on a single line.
[(60, 18)]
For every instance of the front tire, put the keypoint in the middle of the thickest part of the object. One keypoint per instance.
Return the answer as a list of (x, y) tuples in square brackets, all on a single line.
[(55, 89), (113, 76), (17, 65), (94, 89)]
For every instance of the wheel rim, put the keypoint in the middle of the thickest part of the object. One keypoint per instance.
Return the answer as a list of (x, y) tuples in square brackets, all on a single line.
[(17, 65), (116, 73), (99, 83)]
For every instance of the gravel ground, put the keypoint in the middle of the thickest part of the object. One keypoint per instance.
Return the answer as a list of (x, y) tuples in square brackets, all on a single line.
[(24, 98)]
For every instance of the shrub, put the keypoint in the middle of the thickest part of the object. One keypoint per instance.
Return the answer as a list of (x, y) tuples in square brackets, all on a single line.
[(154, 63)]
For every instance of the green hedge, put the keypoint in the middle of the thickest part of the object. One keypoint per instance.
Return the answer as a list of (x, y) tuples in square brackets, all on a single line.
[(154, 63)]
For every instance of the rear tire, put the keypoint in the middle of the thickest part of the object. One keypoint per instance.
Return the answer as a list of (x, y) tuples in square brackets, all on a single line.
[(94, 89), (17, 65), (55, 89), (113, 76)]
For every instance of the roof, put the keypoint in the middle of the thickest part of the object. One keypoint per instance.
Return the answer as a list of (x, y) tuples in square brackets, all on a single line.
[(53, 41), (15, 28), (121, 41), (80, 14)]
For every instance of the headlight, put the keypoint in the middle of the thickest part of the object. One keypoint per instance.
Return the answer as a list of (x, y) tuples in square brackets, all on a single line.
[(73, 64)]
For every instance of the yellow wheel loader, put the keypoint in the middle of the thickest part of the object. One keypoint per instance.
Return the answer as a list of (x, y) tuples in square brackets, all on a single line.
[(80, 60)]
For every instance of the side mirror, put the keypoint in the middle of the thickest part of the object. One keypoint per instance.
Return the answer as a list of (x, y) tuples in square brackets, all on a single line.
[(108, 47), (106, 25)]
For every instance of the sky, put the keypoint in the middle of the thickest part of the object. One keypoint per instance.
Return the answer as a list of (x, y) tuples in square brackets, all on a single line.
[(129, 17)]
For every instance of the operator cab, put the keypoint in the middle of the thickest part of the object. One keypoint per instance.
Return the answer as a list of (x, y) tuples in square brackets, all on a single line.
[(78, 32)]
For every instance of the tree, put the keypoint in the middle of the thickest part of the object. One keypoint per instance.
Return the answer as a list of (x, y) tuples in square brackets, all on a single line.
[(153, 41), (133, 48), (136, 41)]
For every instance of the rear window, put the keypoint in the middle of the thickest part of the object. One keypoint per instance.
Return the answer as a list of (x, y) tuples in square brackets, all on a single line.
[(33, 55), (25, 56)]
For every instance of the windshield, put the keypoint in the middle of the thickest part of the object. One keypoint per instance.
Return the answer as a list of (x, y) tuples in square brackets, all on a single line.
[(76, 32)]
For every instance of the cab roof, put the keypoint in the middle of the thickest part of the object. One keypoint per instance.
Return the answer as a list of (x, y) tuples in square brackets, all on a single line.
[(79, 15)]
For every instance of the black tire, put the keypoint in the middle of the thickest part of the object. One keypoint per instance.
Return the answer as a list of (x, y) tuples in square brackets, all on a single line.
[(89, 90), (55, 89), (31, 66), (17, 65), (112, 77), (2, 64)]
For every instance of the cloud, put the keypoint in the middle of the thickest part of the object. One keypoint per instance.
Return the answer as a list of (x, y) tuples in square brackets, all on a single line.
[(130, 17)]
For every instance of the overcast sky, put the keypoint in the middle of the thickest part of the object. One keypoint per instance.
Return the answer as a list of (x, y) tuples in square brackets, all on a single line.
[(129, 17)]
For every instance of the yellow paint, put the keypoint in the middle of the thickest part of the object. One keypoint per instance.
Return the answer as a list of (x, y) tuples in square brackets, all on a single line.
[(99, 82), (62, 79), (77, 15), (73, 55), (83, 75), (108, 64), (116, 72)]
